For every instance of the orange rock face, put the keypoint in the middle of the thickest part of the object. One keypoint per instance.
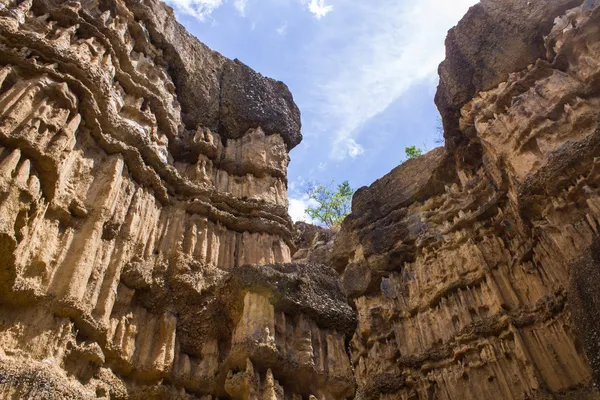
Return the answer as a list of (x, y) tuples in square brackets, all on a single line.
[(145, 246), (472, 269), (139, 169)]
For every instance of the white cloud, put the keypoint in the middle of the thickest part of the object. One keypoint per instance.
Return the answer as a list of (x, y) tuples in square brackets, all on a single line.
[(319, 9), (282, 30), (201, 9), (357, 69), (297, 208), (297, 184), (240, 5), (387, 49), (354, 149)]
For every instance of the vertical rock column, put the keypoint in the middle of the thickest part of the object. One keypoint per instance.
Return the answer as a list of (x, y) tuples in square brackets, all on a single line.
[(140, 171)]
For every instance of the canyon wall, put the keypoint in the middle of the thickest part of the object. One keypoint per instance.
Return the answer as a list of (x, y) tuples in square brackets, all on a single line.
[(474, 268), (141, 175), (146, 251)]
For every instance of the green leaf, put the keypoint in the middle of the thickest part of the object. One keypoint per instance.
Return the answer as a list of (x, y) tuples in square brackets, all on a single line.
[(333, 206), (412, 152)]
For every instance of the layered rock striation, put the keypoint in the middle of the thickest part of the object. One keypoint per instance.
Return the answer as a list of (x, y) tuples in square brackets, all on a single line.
[(146, 250), (140, 173), (473, 269)]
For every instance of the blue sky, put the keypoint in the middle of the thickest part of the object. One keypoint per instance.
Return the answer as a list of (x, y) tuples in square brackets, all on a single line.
[(363, 73)]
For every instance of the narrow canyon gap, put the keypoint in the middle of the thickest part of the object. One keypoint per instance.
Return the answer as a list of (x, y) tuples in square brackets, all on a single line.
[(146, 251)]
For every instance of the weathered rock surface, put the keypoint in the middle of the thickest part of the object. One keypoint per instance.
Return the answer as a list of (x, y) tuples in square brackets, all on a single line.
[(145, 246), (139, 172), (474, 268), (494, 39), (313, 244)]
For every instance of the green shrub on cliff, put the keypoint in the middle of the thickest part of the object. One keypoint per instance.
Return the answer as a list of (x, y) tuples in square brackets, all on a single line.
[(412, 152), (332, 206)]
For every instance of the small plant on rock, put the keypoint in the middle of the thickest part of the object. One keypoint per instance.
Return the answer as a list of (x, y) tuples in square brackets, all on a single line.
[(412, 152), (332, 206)]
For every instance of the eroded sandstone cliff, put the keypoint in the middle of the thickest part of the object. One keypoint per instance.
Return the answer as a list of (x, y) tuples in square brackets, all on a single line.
[(474, 268), (139, 172), (145, 246)]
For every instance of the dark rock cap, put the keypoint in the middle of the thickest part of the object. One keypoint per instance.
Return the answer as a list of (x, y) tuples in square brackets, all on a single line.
[(414, 180), (494, 39), (224, 95), (310, 289)]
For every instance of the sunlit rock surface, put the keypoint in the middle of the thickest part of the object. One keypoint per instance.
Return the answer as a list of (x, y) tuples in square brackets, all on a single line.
[(474, 269), (139, 172), (146, 251)]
